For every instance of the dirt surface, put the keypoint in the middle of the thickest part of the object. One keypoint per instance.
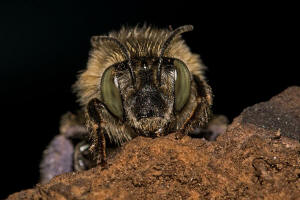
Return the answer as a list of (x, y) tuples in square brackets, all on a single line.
[(257, 158)]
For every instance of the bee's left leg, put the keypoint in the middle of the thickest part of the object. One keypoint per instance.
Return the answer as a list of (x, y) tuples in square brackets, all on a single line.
[(209, 126), (95, 125), (197, 111)]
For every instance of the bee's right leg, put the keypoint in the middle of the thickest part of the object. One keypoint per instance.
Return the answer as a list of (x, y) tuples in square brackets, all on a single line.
[(95, 125)]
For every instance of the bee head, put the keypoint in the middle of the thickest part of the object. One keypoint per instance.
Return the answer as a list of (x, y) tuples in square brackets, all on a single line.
[(146, 91)]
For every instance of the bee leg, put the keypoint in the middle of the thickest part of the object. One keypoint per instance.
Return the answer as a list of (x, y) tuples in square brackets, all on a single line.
[(101, 160), (95, 125), (200, 114)]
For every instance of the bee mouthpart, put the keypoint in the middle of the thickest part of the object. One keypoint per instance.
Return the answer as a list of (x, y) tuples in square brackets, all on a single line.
[(149, 114), (150, 124)]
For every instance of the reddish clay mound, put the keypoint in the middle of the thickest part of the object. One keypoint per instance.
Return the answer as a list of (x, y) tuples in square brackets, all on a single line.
[(258, 157)]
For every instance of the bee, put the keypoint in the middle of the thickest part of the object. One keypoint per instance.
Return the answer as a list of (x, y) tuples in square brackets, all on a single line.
[(140, 81)]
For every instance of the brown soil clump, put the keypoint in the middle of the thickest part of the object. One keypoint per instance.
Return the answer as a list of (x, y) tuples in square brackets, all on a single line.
[(257, 158)]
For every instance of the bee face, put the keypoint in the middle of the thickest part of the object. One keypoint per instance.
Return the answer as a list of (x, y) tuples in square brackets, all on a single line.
[(142, 81), (150, 98)]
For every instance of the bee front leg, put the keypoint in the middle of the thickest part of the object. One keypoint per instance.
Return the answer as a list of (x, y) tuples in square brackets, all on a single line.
[(95, 125)]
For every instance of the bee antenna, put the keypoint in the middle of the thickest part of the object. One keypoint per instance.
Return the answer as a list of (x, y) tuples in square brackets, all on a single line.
[(166, 44), (123, 48)]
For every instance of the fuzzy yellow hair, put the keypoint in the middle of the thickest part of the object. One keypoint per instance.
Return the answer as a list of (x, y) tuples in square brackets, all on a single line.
[(140, 41)]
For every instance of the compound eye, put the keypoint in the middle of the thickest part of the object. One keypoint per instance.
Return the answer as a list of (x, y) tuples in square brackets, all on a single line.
[(182, 84), (110, 93)]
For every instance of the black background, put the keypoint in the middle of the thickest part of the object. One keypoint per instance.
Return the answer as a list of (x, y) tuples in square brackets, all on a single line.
[(250, 51)]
